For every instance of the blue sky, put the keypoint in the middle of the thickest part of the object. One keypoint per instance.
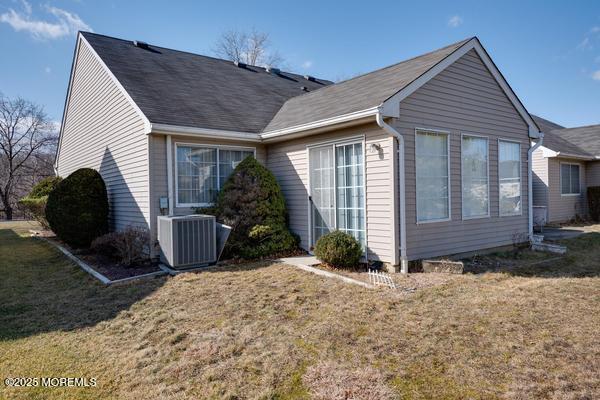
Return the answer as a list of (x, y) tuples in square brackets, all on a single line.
[(549, 51)]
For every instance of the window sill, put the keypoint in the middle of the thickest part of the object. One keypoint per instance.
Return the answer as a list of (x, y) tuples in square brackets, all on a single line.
[(511, 215), (194, 205), (433, 221), (477, 217), (570, 195)]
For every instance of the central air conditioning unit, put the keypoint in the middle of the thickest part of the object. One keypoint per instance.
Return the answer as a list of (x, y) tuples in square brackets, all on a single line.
[(188, 241)]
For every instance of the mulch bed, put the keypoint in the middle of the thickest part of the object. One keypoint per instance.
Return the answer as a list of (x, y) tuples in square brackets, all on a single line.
[(104, 265), (115, 271)]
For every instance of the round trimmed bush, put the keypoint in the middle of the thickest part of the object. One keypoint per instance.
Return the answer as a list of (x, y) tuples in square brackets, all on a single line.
[(251, 202), (339, 249), (77, 209)]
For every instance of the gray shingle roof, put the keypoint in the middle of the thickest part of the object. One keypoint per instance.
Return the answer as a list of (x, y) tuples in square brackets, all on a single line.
[(583, 141), (179, 88), (546, 125), (358, 93)]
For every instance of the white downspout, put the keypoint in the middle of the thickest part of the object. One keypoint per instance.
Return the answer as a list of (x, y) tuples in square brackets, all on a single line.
[(530, 182), (170, 174), (402, 189)]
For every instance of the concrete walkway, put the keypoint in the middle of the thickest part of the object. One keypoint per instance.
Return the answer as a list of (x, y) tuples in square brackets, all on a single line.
[(569, 232), (306, 263)]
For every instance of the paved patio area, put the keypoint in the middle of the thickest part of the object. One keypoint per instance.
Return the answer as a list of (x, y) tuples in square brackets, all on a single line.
[(568, 232)]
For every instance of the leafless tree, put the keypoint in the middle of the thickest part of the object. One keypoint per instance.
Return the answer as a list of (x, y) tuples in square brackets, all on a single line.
[(27, 141), (250, 48)]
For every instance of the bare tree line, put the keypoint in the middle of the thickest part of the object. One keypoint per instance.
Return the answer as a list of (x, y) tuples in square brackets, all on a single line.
[(251, 48), (27, 148)]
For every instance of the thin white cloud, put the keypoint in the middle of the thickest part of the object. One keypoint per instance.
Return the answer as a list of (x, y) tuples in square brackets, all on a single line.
[(596, 75), (65, 23), (591, 37), (47, 70), (26, 6), (585, 44), (455, 21), (307, 64)]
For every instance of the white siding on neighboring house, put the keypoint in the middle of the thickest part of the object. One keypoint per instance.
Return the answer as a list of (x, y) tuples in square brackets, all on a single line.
[(289, 163), (103, 131), (565, 207), (540, 178), (462, 99)]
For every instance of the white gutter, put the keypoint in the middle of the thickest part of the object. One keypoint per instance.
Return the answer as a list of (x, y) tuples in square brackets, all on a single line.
[(402, 189), (321, 123), (530, 183), (166, 129)]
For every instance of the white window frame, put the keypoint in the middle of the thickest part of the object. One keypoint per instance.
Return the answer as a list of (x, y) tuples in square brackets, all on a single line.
[(561, 179), (448, 136), (203, 146), (462, 197), (520, 178), (336, 143)]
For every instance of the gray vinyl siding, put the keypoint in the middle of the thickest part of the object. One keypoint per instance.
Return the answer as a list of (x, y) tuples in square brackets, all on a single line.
[(462, 99), (592, 173), (289, 162), (565, 207), (103, 131), (540, 178), (158, 167)]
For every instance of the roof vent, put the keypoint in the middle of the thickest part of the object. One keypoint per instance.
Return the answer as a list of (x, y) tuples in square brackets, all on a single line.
[(239, 64), (273, 70), (309, 78), (141, 45)]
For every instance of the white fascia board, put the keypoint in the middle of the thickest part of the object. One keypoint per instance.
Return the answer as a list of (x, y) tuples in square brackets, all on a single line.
[(67, 100), (472, 44), (321, 123), (118, 84), (166, 129), (316, 126), (549, 153)]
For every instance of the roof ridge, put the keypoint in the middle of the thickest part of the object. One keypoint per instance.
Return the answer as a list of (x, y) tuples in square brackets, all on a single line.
[(336, 84), (193, 54), (576, 127)]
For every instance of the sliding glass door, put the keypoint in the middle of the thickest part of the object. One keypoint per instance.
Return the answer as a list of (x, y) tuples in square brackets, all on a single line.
[(337, 190)]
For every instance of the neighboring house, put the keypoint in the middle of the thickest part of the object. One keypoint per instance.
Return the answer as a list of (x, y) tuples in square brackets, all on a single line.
[(424, 158), (564, 166)]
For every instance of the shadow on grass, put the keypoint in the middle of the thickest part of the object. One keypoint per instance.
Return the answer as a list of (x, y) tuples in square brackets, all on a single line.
[(41, 291), (581, 261)]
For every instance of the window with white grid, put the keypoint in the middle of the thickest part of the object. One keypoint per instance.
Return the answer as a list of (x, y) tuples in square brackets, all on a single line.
[(202, 172)]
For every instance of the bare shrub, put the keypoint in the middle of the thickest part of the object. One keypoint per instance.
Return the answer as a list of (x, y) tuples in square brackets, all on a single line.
[(128, 246), (330, 381)]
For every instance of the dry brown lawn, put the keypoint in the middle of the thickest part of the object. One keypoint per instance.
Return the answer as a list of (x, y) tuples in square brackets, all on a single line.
[(269, 331)]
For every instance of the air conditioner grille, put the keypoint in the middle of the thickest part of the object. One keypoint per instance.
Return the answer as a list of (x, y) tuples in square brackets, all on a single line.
[(188, 241)]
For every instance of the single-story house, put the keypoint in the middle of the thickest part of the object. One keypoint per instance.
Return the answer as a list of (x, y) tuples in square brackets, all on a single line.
[(423, 158), (564, 166)]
